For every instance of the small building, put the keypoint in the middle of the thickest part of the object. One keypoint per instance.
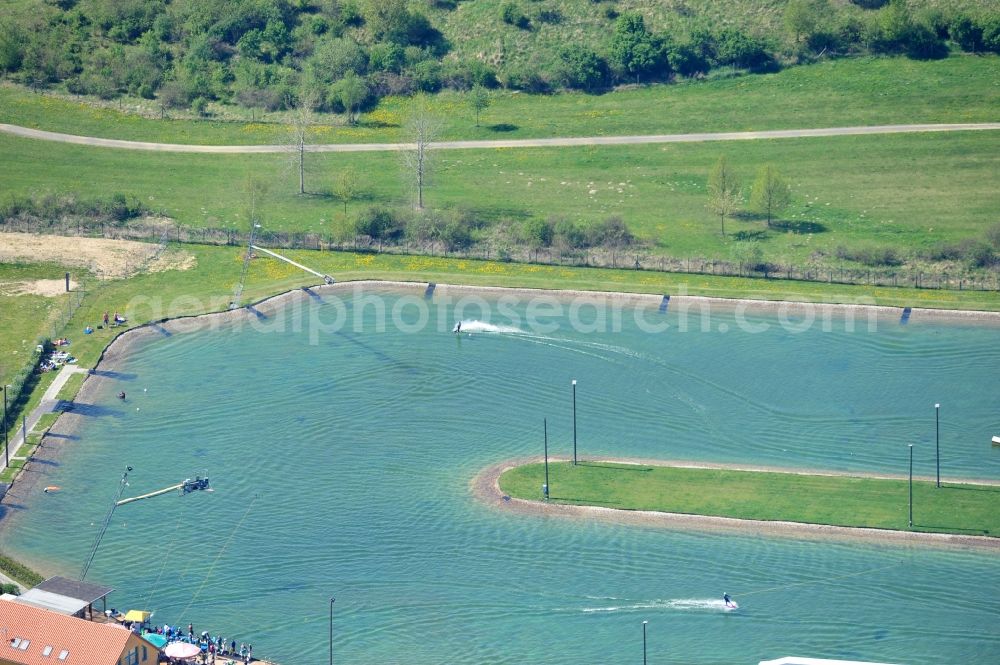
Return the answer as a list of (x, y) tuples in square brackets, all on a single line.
[(31, 635), (66, 596)]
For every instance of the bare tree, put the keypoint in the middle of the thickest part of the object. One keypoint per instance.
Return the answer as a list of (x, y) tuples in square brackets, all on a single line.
[(423, 127), (302, 121), (770, 194), (723, 191)]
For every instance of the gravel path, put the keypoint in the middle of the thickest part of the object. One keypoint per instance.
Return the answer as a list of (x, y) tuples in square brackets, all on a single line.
[(27, 132)]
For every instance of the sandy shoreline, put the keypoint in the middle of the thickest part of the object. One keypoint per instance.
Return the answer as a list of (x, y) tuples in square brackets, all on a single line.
[(130, 341), (485, 487)]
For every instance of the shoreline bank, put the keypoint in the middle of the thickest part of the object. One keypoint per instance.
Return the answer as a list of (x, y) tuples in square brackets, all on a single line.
[(485, 488)]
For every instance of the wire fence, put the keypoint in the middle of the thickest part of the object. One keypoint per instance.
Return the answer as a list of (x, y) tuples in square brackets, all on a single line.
[(163, 231)]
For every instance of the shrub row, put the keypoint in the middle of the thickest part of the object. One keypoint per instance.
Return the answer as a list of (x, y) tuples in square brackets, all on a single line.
[(53, 208), (18, 571)]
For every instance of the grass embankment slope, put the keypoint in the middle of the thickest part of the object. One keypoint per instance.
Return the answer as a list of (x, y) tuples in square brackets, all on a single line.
[(838, 93), (208, 287), (909, 192), (751, 495)]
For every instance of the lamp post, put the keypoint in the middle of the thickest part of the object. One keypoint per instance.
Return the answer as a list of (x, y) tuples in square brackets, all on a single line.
[(6, 452), (911, 485), (331, 629), (937, 440), (644, 642), (545, 488), (574, 422)]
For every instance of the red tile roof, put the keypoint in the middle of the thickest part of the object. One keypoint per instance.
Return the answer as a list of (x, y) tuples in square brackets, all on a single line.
[(87, 643)]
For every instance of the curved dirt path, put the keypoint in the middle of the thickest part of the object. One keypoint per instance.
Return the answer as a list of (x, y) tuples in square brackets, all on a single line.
[(27, 132), (485, 487)]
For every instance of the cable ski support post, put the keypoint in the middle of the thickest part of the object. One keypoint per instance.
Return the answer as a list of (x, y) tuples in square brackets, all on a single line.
[(326, 278), (107, 520), (246, 266)]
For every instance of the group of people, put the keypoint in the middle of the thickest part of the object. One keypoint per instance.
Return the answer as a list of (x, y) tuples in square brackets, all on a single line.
[(118, 320), (56, 359), (210, 646)]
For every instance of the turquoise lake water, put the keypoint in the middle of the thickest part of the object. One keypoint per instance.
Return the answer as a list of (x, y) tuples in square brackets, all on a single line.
[(342, 468)]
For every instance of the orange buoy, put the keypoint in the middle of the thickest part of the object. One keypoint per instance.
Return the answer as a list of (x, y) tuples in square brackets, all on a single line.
[(52, 488)]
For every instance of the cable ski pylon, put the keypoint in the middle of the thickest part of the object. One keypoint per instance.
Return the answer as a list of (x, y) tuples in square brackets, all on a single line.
[(104, 527), (246, 266)]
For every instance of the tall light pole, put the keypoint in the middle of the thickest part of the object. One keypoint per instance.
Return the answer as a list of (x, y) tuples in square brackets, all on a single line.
[(644, 642), (911, 485), (5, 451), (574, 422), (937, 440), (331, 629), (545, 426)]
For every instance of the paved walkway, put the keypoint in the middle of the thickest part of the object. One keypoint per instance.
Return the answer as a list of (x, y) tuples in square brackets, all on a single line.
[(47, 405), (27, 132)]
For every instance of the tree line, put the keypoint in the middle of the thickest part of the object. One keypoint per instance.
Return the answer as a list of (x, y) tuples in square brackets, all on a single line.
[(344, 55)]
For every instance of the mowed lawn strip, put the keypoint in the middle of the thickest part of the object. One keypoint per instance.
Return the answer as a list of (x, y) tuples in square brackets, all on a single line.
[(848, 192), (753, 495)]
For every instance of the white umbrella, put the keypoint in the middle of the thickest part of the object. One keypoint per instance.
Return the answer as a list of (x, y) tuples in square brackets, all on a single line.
[(181, 650)]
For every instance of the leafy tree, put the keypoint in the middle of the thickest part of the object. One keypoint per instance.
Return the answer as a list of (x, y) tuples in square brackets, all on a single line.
[(740, 50), (386, 18), (538, 233), (748, 254), (479, 100), (568, 236), (11, 47), (723, 191), (345, 187), (633, 48), (456, 234), (686, 59), (379, 224), (351, 91), (991, 33), (804, 17), (770, 194), (613, 234), (967, 33), (334, 58), (387, 57), (580, 67)]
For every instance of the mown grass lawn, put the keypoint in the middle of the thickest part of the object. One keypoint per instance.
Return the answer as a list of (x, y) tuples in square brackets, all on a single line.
[(836, 500), (836, 93), (909, 192), (25, 317)]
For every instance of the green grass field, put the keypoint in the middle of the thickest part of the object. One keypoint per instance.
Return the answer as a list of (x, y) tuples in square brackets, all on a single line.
[(24, 317), (837, 93), (839, 501), (909, 192)]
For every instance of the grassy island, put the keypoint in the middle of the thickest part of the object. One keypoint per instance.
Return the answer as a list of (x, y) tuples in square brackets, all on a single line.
[(848, 501)]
